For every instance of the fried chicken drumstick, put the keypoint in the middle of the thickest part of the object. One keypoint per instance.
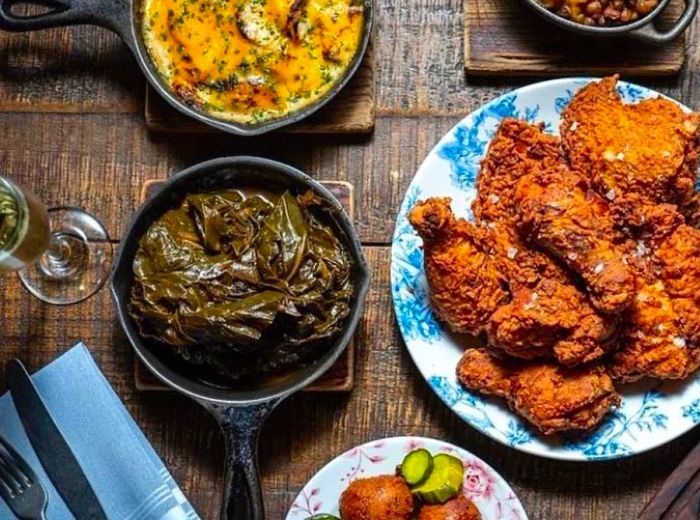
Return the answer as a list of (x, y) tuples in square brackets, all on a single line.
[(465, 284), (551, 397)]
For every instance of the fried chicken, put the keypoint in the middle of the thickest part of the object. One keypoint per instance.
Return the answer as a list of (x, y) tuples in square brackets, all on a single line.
[(558, 211), (661, 337), (552, 398), (459, 508), (385, 497), (550, 326), (517, 148), (649, 148), (465, 284), (552, 320)]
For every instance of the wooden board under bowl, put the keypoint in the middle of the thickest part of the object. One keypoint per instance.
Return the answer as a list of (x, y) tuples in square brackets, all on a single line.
[(352, 111), (340, 377), (505, 37)]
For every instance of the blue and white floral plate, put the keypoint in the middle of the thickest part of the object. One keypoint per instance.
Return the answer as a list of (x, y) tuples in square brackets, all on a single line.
[(651, 414), (482, 484)]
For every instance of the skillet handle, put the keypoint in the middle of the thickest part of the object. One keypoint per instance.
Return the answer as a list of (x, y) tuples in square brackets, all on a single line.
[(651, 34), (111, 14), (241, 426)]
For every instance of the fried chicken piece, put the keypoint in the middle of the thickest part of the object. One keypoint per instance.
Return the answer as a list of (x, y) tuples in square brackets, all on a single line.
[(652, 343), (521, 329), (465, 285), (459, 508), (648, 148), (385, 497), (517, 148), (551, 397), (558, 211), (478, 370), (661, 337), (553, 319)]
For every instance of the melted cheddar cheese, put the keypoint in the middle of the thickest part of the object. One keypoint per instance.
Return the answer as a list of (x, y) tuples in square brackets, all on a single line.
[(251, 60)]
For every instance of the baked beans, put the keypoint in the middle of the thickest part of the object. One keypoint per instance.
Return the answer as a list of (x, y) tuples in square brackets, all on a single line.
[(601, 12)]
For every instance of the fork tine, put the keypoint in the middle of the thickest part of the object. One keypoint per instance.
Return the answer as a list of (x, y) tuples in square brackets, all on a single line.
[(13, 471), (13, 459), (6, 478), (5, 490)]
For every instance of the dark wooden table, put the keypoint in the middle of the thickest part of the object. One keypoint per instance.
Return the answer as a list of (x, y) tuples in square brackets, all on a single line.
[(72, 130)]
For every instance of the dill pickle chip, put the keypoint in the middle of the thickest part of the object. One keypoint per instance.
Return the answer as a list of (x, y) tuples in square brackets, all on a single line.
[(416, 466), (323, 516), (443, 482)]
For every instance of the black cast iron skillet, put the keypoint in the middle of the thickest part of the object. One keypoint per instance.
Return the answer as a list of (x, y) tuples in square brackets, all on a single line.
[(642, 29), (122, 17), (240, 413)]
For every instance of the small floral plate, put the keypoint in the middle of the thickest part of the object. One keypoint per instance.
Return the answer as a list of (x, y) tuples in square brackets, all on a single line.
[(490, 493), (651, 414)]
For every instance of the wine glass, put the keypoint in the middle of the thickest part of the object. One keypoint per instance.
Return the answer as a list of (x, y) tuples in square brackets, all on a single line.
[(62, 254)]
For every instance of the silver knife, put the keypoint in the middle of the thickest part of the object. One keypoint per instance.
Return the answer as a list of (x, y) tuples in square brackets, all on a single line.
[(55, 454)]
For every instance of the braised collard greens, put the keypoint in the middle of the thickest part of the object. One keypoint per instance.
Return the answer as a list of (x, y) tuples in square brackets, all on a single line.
[(244, 284)]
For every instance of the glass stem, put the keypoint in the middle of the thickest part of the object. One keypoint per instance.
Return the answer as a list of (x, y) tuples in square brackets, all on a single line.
[(65, 258)]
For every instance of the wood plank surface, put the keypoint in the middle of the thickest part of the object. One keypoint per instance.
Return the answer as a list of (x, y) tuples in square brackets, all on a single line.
[(352, 111), (71, 127), (504, 37)]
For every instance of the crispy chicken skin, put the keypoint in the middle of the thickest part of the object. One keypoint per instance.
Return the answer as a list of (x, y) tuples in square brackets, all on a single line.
[(551, 397), (459, 508), (385, 497), (465, 285), (551, 320), (649, 148), (558, 211)]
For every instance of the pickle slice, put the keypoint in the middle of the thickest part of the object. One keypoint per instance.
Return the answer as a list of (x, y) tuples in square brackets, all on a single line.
[(323, 516), (416, 466), (443, 482)]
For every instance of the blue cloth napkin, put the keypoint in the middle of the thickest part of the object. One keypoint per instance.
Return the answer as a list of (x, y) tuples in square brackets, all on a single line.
[(129, 479)]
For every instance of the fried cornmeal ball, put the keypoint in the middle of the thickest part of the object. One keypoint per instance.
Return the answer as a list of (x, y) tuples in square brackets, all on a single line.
[(459, 508), (385, 497)]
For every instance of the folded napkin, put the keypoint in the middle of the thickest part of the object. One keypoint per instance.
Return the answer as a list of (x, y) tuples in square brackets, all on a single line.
[(128, 477)]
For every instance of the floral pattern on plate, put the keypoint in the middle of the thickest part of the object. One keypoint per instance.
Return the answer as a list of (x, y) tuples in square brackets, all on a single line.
[(489, 492), (651, 413)]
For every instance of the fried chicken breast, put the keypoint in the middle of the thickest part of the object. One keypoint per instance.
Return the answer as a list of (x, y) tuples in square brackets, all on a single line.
[(649, 148), (385, 497)]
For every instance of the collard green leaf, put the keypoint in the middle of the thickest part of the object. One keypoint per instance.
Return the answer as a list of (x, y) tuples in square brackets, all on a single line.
[(243, 284)]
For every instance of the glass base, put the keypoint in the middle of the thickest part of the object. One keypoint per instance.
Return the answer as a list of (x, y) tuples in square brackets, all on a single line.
[(77, 262)]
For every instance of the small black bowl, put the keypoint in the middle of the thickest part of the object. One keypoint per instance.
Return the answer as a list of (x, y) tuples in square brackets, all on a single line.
[(642, 29), (240, 412)]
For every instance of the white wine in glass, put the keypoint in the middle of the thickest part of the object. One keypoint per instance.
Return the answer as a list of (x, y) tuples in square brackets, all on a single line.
[(62, 255)]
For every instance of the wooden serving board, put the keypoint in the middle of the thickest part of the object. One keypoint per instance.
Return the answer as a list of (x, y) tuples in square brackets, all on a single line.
[(505, 37), (352, 111), (340, 377)]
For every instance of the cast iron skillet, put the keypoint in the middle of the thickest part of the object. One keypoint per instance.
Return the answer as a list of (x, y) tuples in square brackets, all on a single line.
[(642, 29), (122, 17), (240, 413)]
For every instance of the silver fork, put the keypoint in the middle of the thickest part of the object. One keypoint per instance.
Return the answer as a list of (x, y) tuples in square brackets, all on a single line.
[(19, 485)]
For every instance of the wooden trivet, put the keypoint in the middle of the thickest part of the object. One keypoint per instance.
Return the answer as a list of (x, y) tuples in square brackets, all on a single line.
[(352, 111), (505, 37), (340, 377)]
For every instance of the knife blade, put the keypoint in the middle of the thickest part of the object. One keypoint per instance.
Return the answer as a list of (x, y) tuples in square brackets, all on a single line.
[(54, 453)]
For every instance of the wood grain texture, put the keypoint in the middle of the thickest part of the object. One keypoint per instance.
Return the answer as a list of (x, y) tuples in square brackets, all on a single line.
[(352, 111), (339, 378), (504, 37), (94, 151)]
